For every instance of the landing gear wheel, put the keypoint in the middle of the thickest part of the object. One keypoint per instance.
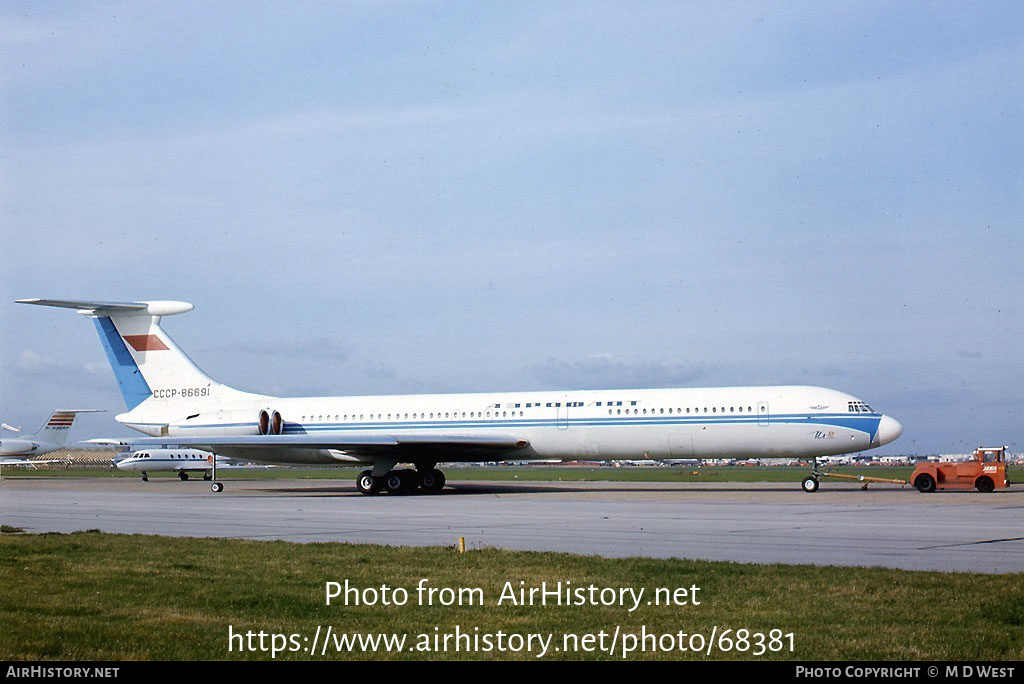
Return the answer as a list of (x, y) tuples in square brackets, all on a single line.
[(985, 484), (394, 482), (432, 481), (183, 476), (401, 481), (207, 477), (217, 487), (810, 484), (925, 483), (367, 484), (145, 477)]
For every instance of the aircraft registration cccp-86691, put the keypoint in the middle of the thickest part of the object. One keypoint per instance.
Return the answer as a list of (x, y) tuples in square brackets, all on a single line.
[(172, 400)]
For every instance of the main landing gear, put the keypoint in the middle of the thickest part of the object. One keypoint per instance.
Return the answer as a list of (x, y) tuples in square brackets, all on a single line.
[(405, 481)]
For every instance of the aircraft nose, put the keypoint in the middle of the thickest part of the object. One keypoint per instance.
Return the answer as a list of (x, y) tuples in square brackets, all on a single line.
[(889, 430)]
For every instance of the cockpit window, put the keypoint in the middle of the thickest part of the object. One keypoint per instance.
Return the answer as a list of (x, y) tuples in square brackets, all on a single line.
[(859, 407)]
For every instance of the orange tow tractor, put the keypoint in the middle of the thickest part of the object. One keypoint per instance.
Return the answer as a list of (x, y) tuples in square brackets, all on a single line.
[(985, 471)]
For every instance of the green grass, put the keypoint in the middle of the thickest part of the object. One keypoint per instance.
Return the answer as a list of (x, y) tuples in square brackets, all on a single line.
[(98, 596)]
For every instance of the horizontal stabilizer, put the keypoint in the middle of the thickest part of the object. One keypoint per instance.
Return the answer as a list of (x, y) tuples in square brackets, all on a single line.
[(95, 306), (155, 308)]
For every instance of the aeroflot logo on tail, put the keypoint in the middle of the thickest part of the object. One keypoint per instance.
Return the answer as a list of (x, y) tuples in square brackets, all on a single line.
[(145, 342)]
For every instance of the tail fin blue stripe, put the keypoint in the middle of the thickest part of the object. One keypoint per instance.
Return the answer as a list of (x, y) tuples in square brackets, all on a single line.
[(134, 387)]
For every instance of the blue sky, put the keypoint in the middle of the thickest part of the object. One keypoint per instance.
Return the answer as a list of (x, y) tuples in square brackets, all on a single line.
[(379, 197)]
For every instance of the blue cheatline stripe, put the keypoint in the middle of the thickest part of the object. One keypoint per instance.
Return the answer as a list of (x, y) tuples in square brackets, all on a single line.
[(134, 387), (867, 424)]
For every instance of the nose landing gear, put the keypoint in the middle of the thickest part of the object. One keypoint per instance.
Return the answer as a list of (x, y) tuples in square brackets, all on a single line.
[(810, 483)]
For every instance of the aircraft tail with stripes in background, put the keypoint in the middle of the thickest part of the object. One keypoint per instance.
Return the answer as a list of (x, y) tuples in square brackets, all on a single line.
[(51, 436)]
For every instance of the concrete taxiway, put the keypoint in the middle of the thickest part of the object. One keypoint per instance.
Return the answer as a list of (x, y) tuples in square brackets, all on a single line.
[(746, 522)]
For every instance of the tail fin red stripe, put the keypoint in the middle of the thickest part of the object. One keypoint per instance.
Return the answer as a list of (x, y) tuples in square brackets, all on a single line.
[(145, 342)]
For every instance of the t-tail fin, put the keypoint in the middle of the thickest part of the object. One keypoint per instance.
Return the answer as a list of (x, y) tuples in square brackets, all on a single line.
[(146, 362), (55, 430)]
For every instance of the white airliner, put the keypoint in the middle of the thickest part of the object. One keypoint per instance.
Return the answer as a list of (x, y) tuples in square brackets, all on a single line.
[(169, 398), (50, 437)]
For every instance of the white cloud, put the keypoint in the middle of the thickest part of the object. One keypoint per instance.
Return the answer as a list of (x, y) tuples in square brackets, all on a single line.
[(31, 362)]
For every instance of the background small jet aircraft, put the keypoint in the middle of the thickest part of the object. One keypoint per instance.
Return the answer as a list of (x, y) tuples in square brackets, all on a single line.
[(181, 461)]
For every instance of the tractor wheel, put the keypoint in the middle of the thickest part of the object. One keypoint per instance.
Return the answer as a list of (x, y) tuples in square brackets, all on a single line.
[(925, 483)]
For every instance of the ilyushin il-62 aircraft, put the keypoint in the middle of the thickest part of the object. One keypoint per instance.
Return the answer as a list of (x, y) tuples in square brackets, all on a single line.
[(176, 403)]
